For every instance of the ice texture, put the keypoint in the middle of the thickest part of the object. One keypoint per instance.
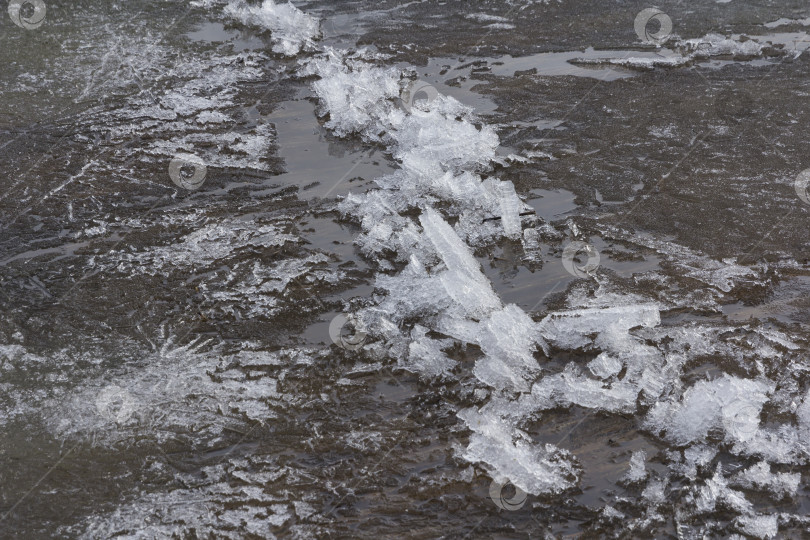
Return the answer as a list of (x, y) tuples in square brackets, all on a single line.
[(728, 403), (723, 275), (290, 27), (426, 356), (759, 476), (686, 52), (177, 391), (637, 470), (717, 45), (510, 210), (200, 247), (442, 153), (426, 218), (356, 96), (765, 526), (463, 280), (206, 504), (510, 454)]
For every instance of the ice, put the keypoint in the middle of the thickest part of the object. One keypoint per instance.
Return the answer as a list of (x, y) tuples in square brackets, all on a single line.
[(510, 454), (609, 513), (205, 504), (759, 476), (715, 492), (729, 403), (696, 456), (605, 366), (569, 330), (571, 387), (717, 45), (463, 280), (203, 246), (189, 106), (508, 339), (291, 28), (607, 330), (445, 140), (723, 275), (638, 470), (460, 300), (617, 357), (253, 290), (510, 210), (426, 356), (358, 97), (440, 152), (786, 22), (173, 390), (765, 526), (486, 17), (532, 249), (687, 51), (656, 491), (639, 62)]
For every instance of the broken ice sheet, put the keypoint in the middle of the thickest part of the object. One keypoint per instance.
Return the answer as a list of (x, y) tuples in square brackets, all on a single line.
[(358, 97), (464, 281), (637, 470), (291, 29), (759, 476), (442, 290), (426, 357), (510, 210), (510, 454), (728, 403)]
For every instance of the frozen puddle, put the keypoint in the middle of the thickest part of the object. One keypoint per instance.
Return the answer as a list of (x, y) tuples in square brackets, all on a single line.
[(712, 50), (318, 165), (462, 309)]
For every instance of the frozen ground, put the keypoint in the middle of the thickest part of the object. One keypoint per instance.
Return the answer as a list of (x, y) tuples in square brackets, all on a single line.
[(419, 269)]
